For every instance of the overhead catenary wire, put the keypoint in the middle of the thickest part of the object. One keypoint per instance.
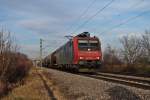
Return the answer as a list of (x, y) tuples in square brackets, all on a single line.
[(82, 14), (126, 21), (90, 18), (131, 7), (135, 5)]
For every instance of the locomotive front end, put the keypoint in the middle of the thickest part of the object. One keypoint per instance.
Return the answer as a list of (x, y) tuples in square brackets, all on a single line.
[(88, 55)]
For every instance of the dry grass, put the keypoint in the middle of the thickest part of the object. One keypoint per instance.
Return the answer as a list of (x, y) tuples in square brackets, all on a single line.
[(36, 87)]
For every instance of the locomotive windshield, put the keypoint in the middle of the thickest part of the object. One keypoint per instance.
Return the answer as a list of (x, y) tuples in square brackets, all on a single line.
[(85, 45)]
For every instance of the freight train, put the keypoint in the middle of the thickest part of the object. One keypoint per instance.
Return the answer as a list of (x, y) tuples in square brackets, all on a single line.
[(82, 53)]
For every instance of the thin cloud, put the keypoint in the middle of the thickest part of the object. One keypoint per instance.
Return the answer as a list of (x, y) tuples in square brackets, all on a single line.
[(50, 19)]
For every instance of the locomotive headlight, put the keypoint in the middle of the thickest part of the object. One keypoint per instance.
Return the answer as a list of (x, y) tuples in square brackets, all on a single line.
[(81, 57), (97, 57)]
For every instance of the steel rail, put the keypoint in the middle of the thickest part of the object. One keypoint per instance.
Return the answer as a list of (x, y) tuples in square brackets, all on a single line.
[(139, 82), (126, 77)]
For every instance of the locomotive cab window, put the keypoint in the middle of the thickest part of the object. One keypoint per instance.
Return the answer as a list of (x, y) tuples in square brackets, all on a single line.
[(94, 45), (84, 45)]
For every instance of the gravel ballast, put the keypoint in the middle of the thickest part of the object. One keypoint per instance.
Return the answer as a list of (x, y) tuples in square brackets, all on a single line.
[(76, 87)]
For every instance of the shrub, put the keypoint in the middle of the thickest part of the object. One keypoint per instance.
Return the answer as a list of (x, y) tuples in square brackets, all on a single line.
[(13, 65), (20, 69)]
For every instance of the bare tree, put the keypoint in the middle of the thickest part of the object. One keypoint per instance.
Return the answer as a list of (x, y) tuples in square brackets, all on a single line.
[(131, 50), (6, 53), (111, 56), (13, 65), (146, 44)]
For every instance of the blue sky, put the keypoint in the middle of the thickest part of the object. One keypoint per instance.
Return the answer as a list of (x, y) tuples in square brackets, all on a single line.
[(30, 20)]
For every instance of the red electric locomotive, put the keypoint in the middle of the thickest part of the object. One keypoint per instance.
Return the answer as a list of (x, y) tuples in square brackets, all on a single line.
[(81, 53)]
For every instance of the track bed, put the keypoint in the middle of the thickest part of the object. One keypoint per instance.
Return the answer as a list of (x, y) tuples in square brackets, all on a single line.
[(78, 87)]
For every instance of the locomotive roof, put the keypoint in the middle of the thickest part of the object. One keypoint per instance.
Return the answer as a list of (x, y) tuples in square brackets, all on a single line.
[(84, 35), (88, 37)]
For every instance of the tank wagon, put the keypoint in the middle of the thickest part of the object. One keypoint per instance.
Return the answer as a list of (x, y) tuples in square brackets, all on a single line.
[(81, 53)]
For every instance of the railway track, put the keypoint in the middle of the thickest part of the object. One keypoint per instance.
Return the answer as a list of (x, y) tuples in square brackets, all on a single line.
[(140, 82)]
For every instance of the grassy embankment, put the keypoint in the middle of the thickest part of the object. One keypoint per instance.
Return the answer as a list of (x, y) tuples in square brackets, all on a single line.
[(36, 87)]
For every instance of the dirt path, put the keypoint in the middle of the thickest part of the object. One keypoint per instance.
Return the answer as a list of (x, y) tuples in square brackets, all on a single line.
[(47, 88), (36, 87)]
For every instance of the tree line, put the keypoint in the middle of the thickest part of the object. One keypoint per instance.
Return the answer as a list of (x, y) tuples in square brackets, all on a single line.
[(133, 56)]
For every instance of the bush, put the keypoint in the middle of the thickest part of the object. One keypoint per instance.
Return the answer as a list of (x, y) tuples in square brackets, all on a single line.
[(20, 69), (13, 65), (17, 70), (3, 88)]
